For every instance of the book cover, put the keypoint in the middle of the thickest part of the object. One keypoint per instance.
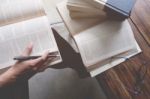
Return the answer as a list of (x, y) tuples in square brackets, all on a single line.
[(119, 7)]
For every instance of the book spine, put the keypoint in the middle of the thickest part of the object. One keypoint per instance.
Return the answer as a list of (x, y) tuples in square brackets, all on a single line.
[(115, 13), (111, 10)]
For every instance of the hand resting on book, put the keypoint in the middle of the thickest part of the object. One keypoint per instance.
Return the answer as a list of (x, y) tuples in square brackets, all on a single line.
[(22, 71), (25, 69)]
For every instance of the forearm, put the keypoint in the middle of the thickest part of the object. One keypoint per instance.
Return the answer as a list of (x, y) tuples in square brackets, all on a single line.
[(7, 78), (21, 68)]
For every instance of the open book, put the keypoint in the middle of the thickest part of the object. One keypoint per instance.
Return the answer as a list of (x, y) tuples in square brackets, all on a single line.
[(99, 42), (23, 22), (75, 26)]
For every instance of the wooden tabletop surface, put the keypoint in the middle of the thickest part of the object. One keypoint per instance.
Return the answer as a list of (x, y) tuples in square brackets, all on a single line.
[(121, 81)]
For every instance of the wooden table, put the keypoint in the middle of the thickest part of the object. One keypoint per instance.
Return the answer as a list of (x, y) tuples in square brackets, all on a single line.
[(119, 82)]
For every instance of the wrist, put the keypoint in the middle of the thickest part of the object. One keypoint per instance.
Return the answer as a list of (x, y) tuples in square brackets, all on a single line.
[(7, 78)]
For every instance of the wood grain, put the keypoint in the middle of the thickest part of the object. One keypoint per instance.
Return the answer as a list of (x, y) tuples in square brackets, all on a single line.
[(141, 16), (119, 82)]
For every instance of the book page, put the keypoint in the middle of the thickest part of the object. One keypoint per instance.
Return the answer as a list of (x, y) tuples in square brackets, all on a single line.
[(75, 26), (12, 11), (84, 3), (82, 15), (81, 3), (112, 62), (105, 40), (15, 37)]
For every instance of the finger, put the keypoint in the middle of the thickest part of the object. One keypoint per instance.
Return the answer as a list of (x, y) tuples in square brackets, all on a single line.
[(35, 62), (39, 65), (45, 55), (44, 59), (49, 60), (35, 69), (28, 50), (40, 61), (46, 64)]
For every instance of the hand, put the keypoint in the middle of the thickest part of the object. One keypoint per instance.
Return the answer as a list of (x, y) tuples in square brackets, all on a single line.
[(20, 69)]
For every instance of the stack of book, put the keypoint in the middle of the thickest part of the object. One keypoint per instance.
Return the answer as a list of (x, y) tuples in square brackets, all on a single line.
[(83, 9), (102, 42), (98, 8)]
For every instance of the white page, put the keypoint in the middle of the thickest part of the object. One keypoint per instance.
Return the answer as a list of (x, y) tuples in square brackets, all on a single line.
[(56, 21), (50, 9), (104, 41), (101, 67), (78, 14), (85, 8), (81, 9), (12, 11), (90, 3), (15, 37), (87, 3), (81, 3), (75, 26)]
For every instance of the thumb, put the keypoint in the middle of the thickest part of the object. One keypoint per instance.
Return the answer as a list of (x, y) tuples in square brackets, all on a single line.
[(27, 51)]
